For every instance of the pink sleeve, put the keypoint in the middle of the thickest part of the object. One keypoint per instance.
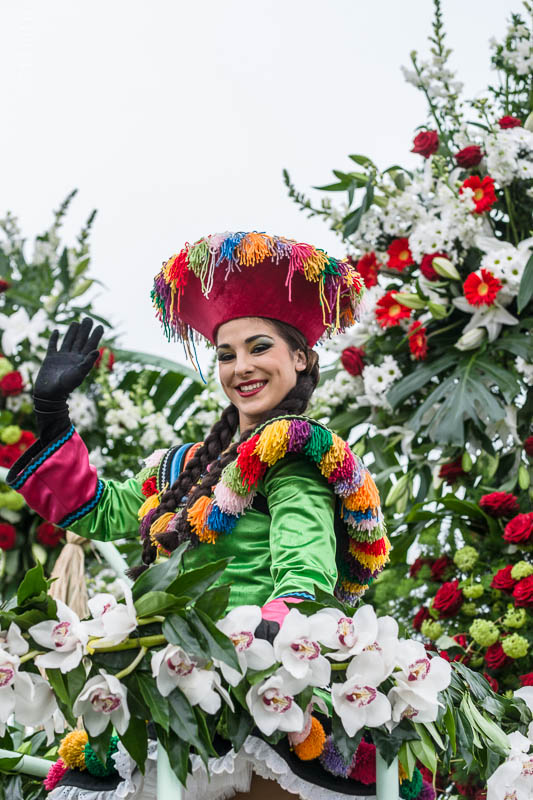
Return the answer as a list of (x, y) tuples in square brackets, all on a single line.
[(58, 482), (277, 610)]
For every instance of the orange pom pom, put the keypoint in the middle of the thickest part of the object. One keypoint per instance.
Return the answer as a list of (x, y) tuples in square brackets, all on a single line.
[(313, 746), (367, 496)]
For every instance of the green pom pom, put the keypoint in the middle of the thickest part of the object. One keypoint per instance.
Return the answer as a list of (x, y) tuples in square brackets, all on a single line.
[(431, 629), (484, 632), (515, 646), (515, 617), (232, 478), (145, 473), (521, 570), (465, 558), (410, 789), (95, 765), (473, 592), (318, 443)]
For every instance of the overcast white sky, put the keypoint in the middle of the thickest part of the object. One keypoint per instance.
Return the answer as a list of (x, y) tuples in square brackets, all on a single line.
[(175, 118)]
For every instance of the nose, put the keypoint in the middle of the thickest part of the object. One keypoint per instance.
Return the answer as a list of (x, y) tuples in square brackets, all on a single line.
[(243, 365)]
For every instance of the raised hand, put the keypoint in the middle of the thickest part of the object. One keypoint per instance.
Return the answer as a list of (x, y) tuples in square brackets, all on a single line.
[(63, 370)]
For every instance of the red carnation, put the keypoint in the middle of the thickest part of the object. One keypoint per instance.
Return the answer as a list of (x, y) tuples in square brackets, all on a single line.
[(9, 454), (4, 285), (493, 683), (400, 255), (440, 566), (520, 528), (509, 122), (352, 360), (527, 679), (8, 536), (106, 356), (503, 580), (389, 312), (481, 290), (11, 384), (364, 764), (499, 504), (452, 471), (528, 446), (421, 616), (149, 487), (49, 534), (495, 656), (484, 195), (469, 156), (426, 266), (27, 438), (426, 143), (418, 341), (448, 599), (523, 592), (368, 267)]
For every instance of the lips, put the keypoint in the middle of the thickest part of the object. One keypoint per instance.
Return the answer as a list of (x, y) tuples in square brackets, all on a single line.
[(250, 388)]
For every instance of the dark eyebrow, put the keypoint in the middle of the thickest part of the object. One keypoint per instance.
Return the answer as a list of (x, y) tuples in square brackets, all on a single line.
[(249, 339)]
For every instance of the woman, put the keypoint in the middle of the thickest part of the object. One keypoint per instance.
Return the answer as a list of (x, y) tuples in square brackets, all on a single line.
[(263, 302)]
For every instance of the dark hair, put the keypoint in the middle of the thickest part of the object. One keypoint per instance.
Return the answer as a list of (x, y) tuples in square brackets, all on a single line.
[(217, 442)]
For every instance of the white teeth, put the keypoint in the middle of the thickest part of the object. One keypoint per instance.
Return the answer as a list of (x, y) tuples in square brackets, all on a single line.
[(251, 387)]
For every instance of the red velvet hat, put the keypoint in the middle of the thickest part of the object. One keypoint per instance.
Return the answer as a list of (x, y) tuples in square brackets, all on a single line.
[(230, 275)]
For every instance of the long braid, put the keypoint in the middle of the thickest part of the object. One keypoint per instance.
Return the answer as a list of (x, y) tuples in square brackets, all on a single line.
[(217, 452)]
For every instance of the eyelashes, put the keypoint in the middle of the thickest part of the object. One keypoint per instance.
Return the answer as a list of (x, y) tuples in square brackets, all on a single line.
[(257, 350)]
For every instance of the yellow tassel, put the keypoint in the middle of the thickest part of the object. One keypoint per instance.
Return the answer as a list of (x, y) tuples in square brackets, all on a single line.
[(314, 265), (72, 748), (207, 535), (367, 496), (353, 588), (150, 503), (197, 515), (333, 458), (160, 525), (402, 774), (272, 444), (369, 561)]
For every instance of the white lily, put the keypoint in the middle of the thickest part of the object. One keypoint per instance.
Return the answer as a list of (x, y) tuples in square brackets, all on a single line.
[(173, 669), (513, 780), (18, 326), (66, 639), (12, 641), (490, 317), (297, 648), (357, 701), (103, 698), (418, 683), (239, 626), (112, 621), (273, 706), (347, 636)]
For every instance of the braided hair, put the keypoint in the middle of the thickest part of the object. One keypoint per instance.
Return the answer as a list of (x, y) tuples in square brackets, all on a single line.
[(196, 480)]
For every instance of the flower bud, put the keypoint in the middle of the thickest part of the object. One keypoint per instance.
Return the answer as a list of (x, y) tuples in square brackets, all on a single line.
[(409, 300), (466, 461), (396, 491), (81, 288), (445, 268), (471, 340), (438, 311), (528, 124), (523, 477)]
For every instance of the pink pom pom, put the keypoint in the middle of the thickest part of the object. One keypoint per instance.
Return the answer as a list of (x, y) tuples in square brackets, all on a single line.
[(229, 501), (55, 773)]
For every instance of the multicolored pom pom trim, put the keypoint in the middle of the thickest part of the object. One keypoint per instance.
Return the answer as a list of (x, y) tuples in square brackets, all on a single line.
[(341, 287), (362, 551)]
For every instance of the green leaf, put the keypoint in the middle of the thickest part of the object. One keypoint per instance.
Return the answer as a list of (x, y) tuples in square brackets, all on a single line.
[(75, 681), (389, 744), (463, 507), (7, 764), (100, 743), (183, 402), (177, 631), (183, 722), (135, 357), (363, 161), (333, 187), (158, 577), (215, 601), (195, 582), (525, 293), (217, 644), (418, 378), (156, 703), (352, 221), (135, 740), (449, 723), (32, 584), (239, 725), (166, 389), (154, 603), (346, 745), (178, 754)]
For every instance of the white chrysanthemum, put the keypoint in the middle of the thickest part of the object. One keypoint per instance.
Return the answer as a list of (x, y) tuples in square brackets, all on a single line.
[(82, 411), (378, 380)]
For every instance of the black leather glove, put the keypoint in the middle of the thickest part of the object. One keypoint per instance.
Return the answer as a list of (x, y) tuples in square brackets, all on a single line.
[(267, 629), (61, 372)]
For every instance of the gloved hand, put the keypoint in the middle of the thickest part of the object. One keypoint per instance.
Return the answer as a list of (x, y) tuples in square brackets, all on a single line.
[(63, 370)]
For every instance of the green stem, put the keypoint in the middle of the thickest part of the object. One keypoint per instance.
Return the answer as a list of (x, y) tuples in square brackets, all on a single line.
[(443, 330), (149, 620), (32, 654), (130, 644), (138, 658), (339, 667), (510, 213)]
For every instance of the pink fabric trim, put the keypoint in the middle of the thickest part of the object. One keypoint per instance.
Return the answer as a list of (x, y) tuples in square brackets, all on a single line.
[(63, 483), (277, 610)]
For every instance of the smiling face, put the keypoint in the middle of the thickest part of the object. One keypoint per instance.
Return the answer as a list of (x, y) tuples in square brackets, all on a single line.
[(256, 367)]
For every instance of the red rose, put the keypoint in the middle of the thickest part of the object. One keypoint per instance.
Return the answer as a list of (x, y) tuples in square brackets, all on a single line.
[(149, 487), (418, 341), (11, 384), (484, 195), (9, 454), (527, 679), (523, 592), (495, 656), (417, 565), (528, 446), (8, 536), (509, 122), (368, 267), (106, 356), (440, 566), (399, 254), (503, 581), (520, 528), (4, 285), (27, 438), (452, 471), (426, 143), (469, 156), (426, 266), (421, 615), (352, 360), (448, 599), (493, 683), (499, 504), (49, 534)]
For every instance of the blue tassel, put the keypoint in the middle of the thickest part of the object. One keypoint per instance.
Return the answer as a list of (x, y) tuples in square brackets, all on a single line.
[(228, 246), (219, 522), (356, 516)]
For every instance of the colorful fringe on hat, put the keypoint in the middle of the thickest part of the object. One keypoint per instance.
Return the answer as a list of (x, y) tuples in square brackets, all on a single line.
[(362, 551)]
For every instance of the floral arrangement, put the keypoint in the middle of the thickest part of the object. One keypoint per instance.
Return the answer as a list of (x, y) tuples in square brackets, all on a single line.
[(171, 654)]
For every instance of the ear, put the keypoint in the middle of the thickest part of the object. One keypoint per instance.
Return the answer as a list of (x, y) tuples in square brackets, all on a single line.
[(300, 361)]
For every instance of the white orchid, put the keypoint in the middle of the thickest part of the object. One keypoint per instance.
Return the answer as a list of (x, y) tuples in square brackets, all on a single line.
[(385, 645), (103, 699), (173, 669), (526, 693), (66, 638), (418, 683), (12, 641), (357, 701), (490, 317), (35, 705), (513, 780), (8, 676), (19, 326), (112, 621), (272, 703), (240, 625), (297, 648), (347, 636)]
